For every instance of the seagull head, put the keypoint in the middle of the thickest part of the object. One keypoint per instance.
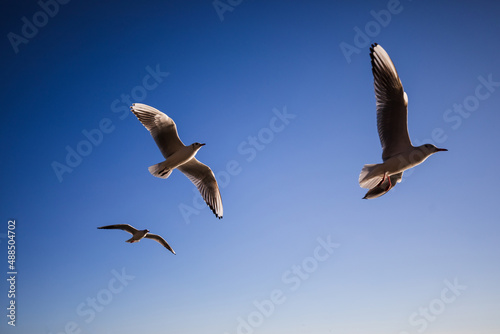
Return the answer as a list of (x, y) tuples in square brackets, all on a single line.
[(197, 146), (431, 149)]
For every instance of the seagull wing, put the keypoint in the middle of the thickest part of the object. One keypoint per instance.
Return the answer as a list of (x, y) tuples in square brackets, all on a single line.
[(161, 127), (392, 102), (160, 240), (125, 227), (204, 179)]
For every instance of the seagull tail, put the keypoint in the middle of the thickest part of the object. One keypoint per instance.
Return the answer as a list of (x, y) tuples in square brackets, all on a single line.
[(384, 187), (160, 170), (131, 240), (377, 191), (369, 178)]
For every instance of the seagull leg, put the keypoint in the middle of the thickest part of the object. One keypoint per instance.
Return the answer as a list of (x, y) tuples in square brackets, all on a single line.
[(383, 179), (390, 184)]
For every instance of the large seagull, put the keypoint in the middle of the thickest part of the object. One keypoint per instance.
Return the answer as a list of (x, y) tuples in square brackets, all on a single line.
[(398, 153), (177, 155)]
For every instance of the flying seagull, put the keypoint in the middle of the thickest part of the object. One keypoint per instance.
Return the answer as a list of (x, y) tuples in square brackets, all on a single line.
[(179, 156), (137, 235), (398, 153)]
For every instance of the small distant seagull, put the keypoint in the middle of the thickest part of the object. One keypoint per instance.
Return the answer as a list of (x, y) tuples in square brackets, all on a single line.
[(137, 235), (179, 156), (398, 153)]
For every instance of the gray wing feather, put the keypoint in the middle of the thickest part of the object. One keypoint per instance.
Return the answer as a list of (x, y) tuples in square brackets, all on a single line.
[(392, 104), (124, 227), (160, 240), (204, 179), (162, 128)]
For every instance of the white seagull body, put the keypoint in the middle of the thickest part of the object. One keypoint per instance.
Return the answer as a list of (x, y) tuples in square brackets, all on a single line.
[(138, 235), (178, 155), (398, 153)]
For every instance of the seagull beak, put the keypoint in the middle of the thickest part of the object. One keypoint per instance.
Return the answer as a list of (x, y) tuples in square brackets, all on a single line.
[(441, 150), (202, 144)]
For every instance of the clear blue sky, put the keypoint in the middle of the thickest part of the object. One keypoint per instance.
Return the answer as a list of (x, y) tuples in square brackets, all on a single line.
[(423, 258)]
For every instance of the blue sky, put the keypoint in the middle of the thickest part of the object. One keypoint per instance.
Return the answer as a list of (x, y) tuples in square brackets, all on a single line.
[(298, 250)]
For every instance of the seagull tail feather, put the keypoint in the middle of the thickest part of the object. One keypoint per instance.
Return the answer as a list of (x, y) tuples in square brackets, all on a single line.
[(377, 191), (131, 240), (160, 170), (369, 178)]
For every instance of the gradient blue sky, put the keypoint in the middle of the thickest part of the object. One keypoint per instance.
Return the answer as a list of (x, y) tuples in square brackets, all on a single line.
[(225, 79)]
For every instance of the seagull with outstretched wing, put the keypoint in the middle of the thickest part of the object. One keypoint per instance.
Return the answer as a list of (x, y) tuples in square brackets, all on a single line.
[(177, 155), (398, 153), (138, 235)]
